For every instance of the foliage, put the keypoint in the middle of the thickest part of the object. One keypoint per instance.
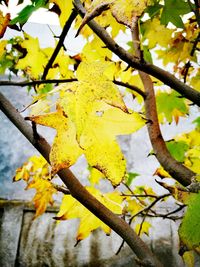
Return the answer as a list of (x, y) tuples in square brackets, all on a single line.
[(90, 111)]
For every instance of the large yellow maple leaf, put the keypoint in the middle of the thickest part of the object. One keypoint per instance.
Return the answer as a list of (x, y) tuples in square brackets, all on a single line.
[(90, 114)]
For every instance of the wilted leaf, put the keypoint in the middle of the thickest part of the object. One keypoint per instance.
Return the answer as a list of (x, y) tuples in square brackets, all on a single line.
[(4, 21), (35, 167), (43, 196)]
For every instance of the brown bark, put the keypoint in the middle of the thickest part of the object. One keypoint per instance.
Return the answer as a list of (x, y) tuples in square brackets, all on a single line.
[(178, 171)]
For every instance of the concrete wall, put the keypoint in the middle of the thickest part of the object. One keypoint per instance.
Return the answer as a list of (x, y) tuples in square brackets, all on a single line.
[(25, 242)]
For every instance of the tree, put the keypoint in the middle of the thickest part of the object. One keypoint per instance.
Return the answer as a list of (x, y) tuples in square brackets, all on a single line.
[(90, 111)]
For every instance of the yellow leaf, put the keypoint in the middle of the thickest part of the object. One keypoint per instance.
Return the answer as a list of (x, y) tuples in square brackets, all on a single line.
[(95, 50), (161, 172), (123, 11), (156, 33), (97, 132), (65, 8), (126, 11), (178, 192), (43, 196), (195, 81), (36, 167), (189, 258), (65, 150), (35, 60), (71, 208), (3, 44), (95, 176), (133, 206), (144, 229), (193, 159), (40, 107), (90, 114), (22, 173)]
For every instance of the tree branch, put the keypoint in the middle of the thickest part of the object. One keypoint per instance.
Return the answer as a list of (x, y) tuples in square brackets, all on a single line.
[(164, 76), (57, 81), (36, 82), (80, 193), (178, 171), (60, 42)]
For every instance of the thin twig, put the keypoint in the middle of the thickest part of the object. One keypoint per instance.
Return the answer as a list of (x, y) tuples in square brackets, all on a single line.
[(132, 87), (36, 82), (137, 195), (61, 188), (158, 215), (60, 43), (141, 224), (149, 207), (146, 209)]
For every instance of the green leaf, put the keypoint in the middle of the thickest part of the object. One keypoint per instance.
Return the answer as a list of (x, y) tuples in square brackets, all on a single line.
[(26, 12), (130, 177), (178, 149), (153, 10), (147, 54), (189, 229), (197, 121), (170, 106), (172, 11)]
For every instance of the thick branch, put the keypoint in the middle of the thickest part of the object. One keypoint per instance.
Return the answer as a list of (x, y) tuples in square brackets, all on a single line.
[(60, 43), (80, 193), (164, 76), (178, 171)]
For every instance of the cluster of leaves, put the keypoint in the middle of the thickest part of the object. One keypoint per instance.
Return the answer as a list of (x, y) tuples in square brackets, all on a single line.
[(90, 111)]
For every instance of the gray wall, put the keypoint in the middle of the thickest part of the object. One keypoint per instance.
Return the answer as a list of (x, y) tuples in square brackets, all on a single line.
[(43, 242)]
